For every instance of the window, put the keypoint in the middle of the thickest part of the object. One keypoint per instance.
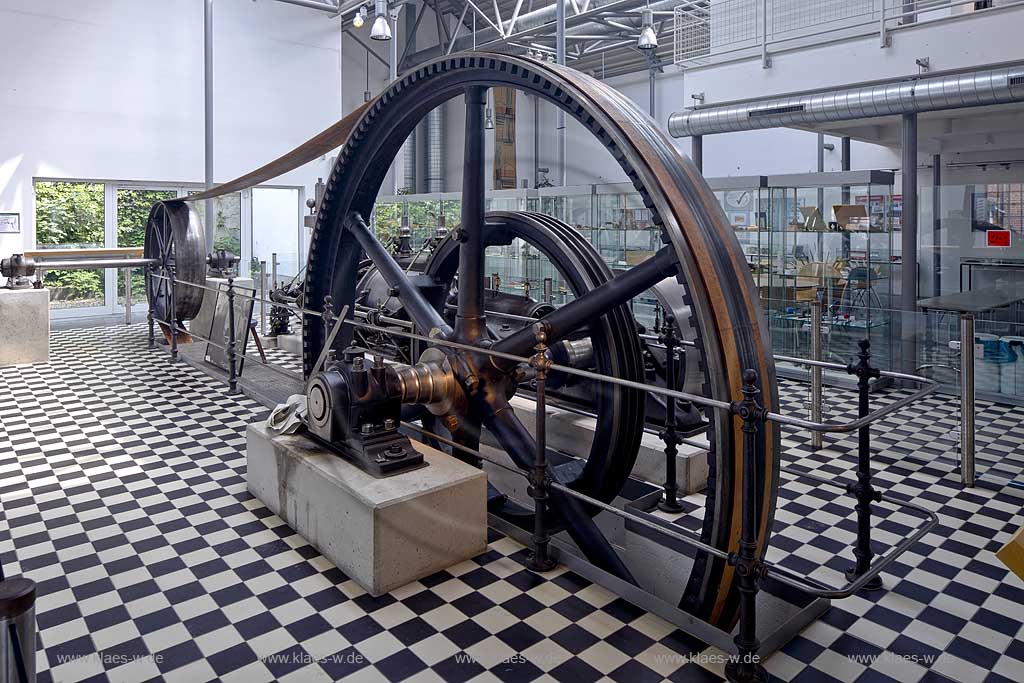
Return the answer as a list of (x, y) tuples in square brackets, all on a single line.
[(227, 211), (80, 214), (72, 215)]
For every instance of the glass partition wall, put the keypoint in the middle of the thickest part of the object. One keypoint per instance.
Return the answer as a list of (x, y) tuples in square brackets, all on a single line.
[(833, 236), (77, 214)]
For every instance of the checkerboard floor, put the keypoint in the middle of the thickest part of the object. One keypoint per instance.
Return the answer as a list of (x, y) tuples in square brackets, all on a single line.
[(930, 432), (122, 481)]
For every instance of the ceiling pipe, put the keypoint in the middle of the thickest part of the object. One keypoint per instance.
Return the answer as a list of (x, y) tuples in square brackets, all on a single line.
[(313, 4), (340, 8), (898, 97)]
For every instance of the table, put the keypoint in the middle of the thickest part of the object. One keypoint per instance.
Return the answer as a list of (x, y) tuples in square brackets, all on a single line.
[(968, 304), (975, 300)]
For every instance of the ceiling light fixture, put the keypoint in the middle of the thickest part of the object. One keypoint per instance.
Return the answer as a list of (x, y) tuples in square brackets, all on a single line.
[(381, 27), (648, 39), (360, 17)]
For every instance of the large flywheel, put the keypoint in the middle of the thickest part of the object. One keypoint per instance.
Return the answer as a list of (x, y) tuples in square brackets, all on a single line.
[(174, 237), (700, 250)]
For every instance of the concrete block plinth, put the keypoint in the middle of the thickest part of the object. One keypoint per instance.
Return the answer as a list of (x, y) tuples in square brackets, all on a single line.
[(292, 343), (572, 433), (24, 326), (382, 533)]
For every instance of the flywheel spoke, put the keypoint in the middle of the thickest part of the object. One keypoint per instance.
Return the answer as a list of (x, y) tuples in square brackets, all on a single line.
[(521, 447), (158, 233), (469, 321), (168, 238), (422, 313), (582, 311)]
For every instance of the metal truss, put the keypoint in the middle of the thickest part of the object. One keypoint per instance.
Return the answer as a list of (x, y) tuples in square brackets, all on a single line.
[(598, 36)]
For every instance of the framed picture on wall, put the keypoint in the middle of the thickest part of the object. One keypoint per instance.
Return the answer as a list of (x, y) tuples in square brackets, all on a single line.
[(10, 222)]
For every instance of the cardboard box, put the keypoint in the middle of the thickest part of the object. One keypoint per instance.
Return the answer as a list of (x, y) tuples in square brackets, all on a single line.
[(1012, 554)]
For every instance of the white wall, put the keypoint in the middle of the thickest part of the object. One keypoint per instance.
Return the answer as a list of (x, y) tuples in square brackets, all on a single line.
[(113, 90)]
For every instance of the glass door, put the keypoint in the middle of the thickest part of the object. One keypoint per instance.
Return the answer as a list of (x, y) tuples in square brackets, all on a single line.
[(276, 226)]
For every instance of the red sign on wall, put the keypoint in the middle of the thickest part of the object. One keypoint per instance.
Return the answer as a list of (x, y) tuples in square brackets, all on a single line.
[(997, 238)]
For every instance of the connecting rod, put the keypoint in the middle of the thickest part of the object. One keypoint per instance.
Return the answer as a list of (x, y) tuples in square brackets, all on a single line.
[(420, 310)]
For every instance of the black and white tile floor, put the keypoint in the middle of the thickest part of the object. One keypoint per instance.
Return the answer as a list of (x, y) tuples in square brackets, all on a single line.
[(122, 481)]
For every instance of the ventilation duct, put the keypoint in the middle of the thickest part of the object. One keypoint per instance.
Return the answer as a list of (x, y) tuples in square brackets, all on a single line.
[(934, 93), (434, 151)]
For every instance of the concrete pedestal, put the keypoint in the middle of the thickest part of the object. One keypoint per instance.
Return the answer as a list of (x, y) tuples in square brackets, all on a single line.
[(573, 434), (292, 343), (24, 326), (382, 533)]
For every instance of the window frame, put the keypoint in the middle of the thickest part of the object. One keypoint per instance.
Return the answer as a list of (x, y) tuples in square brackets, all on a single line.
[(110, 190)]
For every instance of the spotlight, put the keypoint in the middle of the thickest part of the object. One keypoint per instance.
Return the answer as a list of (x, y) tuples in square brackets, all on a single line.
[(381, 29), (360, 17), (648, 39)]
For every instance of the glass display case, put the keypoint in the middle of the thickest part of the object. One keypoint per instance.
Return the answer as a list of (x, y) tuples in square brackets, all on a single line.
[(573, 204), (746, 203), (833, 235), (830, 233), (623, 231)]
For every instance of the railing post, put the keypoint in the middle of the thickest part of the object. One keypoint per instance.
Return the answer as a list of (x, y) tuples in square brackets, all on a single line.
[(670, 500), (263, 298), (232, 361), (173, 314), (127, 296), (149, 313), (540, 559), (967, 399), (817, 395), (746, 666), (862, 489)]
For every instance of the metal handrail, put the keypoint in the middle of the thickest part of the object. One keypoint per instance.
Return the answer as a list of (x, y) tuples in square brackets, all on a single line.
[(287, 373), (883, 17), (779, 573), (929, 385)]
